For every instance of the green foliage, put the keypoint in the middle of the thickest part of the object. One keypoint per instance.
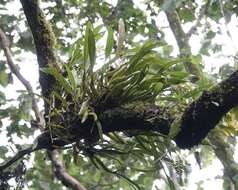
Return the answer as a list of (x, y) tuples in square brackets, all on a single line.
[(97, 76), (110, 41), (140, 74), (5, 77)]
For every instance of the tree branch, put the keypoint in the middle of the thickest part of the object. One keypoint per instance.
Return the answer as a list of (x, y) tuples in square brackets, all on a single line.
[(182, 42), (205, 113), (16, 157), (44, 40), (62, 174), (201, 13), (113, 120), (14, 69), (200, 117)]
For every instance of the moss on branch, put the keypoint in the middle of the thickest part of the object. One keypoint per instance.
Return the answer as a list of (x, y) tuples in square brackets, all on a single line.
[(44, 40), (205, 113)]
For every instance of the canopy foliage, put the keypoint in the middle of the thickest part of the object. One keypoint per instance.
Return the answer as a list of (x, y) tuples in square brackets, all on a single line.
[(123, 87)]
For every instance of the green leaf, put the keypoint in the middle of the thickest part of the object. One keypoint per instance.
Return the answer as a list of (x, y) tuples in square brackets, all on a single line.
[(109, 44), (71, 77), (121, 36), (59, 77), (85, 48), (196, 59), (178, 74), (4, 78), (144, 50), (85, 116), (158, 87), (91, 47), (76, 53), (3, 151), (63, 101)]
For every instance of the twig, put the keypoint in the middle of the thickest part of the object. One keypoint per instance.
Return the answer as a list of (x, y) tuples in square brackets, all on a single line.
[(201, 13), (6, 48), (227, 29)]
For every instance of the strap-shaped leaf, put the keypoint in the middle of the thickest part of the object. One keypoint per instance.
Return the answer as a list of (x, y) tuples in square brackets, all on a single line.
[(144, 50), (59, 77), (91, 47), (121, 37), (76, 53), (71, 77), (109, 44)]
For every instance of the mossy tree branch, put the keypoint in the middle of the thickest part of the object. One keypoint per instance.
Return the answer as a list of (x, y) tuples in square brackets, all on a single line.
[(217, 101), (205, 113), (44, 40)]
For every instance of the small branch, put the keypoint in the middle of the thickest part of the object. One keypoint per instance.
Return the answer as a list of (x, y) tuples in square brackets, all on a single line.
[(62, 174), (182, 42), (201, 13), (39, 118), (227, 159), (14, 69), (17, 157), (227, 29)]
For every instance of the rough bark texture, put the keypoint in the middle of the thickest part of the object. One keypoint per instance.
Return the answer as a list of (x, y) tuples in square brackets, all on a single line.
[(199, 118), (44, 41), (205, 113), (114, 120), (204, 110)]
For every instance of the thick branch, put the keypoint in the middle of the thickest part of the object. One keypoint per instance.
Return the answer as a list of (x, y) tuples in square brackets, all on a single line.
[(199, 118), (205, 113), (44, 42), (115, 120)]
